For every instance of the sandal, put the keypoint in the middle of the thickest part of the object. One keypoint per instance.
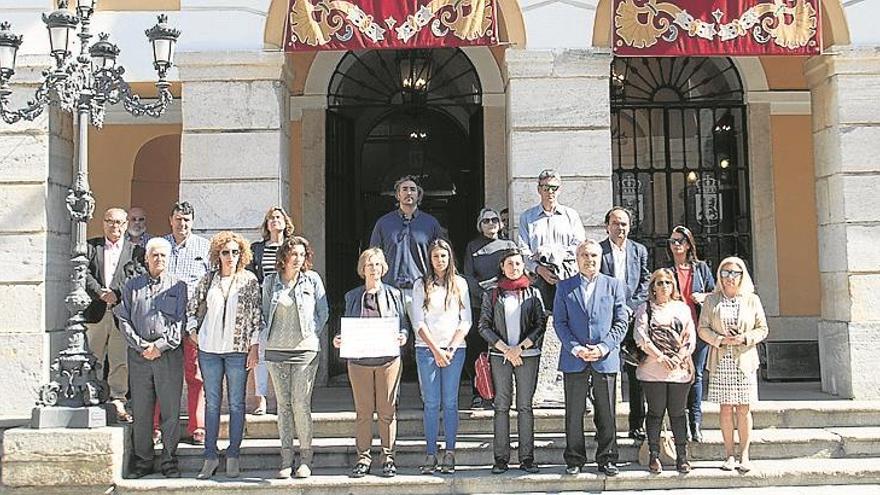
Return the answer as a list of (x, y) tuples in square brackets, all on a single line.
[(199, 436), (261, 406)]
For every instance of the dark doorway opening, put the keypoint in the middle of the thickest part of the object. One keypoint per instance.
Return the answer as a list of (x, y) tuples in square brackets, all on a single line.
[(393, 113)]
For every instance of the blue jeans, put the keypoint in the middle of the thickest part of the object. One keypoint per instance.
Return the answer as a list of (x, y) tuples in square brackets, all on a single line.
[(214, 368), (695, 396), (439, 386)]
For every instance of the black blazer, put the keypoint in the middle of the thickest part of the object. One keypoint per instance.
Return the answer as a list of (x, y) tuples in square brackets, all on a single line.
[(131, 264), (637, 274), (256, 264), (532, 319)]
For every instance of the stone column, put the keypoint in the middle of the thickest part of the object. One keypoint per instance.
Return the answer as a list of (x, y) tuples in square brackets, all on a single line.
[(35, 172), (235, 143), (559, 117), (845, 87)]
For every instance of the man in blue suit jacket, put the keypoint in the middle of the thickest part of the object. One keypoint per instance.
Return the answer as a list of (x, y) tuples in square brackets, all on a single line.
[(627, 261), (590, 317)]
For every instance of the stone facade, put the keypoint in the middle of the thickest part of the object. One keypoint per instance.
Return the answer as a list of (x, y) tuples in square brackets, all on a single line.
[(35, 172), (846, 114)]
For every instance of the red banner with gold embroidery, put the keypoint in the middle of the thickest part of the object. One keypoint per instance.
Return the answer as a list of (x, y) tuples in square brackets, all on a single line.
[(716, 27), (366, 24)]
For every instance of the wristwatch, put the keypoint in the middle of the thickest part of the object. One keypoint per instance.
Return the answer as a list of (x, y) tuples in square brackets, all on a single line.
[(522, 347)]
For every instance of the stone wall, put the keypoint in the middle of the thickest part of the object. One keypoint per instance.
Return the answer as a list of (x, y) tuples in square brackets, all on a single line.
[(845, 86), (559, 117), (35, 172)]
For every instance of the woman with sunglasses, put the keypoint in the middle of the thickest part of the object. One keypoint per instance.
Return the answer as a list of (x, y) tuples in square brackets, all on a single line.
[(482, 257), (224, 321), (733, 323), (665, 330), (694, 281), (441, 310)]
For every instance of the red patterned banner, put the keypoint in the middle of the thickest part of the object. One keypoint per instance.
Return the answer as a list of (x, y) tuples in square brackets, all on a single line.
[(365, 24), (716, 27)]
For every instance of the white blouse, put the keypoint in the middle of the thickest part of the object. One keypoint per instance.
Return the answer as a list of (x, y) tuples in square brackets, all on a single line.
[(218, 328), (441, 321)]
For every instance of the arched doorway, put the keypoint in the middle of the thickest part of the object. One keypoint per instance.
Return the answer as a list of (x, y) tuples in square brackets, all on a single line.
[(392, 113), (679, 154)]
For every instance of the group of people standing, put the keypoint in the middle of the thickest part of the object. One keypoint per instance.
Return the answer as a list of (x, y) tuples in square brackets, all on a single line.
[(209, 311)]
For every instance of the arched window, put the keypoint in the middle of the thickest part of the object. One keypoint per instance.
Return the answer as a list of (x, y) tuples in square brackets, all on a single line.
[(678, 128)]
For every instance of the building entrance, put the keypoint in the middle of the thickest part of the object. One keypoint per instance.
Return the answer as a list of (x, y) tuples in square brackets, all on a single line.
[(393, 113)]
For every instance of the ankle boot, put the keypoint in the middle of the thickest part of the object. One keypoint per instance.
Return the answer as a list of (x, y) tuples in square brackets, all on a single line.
[(233, 467), (304, 470), (286, 468), (654, 465), (696, 433), (681, 459)]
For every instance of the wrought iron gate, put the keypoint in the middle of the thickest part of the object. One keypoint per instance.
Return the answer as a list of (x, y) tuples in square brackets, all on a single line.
[(678, 128)]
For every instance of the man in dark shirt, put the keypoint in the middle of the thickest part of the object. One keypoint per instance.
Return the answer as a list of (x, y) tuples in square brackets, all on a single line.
[(151, 318), (404, 235)]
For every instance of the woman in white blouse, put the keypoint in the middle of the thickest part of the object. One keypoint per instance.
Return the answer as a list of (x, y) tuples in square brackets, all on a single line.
[(225, 321), (441, 317)]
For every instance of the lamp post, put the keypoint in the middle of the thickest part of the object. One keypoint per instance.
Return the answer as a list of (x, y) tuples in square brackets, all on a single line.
[(82, 85)]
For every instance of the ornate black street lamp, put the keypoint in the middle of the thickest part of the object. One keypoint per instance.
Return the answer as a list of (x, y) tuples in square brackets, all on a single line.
[(82, 85)]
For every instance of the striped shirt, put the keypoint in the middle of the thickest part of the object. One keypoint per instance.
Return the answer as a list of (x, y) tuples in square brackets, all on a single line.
[(270, 254)]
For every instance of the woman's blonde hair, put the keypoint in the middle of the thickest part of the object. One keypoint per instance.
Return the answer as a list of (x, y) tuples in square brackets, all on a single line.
[(663, 274), (746, 286), (221, 239), (366, 255)]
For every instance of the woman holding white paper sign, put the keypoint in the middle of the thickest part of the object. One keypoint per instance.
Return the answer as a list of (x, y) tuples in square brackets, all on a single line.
[(294, 314), (375, 380), (441, 310)]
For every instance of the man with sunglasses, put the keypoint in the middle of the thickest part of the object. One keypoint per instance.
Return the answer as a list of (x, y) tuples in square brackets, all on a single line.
[(549, 234), (627, 261), (189, 262)]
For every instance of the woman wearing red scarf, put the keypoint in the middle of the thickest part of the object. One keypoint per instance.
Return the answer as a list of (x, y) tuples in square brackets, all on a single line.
[(512, 321)]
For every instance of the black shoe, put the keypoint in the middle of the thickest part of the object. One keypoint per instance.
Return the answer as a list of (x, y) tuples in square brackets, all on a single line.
[(359, 471), (609, 469), (637, 434), (529, 466), (171, 471), (572, 470), (389, 470), (500, 467), (139, 472)]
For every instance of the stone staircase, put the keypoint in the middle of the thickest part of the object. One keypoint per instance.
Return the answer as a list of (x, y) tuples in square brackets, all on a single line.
[(795, 443)]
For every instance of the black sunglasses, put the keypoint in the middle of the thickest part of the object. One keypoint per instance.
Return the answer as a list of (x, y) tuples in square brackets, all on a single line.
[(227, 252)]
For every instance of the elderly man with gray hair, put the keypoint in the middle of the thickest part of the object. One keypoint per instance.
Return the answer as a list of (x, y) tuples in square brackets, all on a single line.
[(151, 318)]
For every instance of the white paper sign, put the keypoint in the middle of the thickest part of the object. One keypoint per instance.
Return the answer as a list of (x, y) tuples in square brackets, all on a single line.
[(369, 337)]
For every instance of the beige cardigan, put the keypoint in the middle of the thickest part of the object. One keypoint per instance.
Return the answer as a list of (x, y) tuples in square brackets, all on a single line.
[(752, 324)]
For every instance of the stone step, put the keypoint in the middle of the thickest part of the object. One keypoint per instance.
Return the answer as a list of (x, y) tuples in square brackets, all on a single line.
[(705, 476), (769, 414), (476, 450)]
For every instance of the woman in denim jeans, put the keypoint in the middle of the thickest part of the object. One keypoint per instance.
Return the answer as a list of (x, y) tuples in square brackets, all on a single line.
[(294, 313), (512, 321), (225, 321), (694, 282), (441, 310)]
